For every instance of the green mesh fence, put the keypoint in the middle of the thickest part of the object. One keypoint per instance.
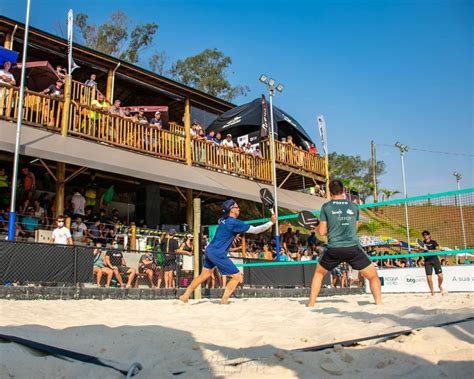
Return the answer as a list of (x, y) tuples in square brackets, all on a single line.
[(449, 216)]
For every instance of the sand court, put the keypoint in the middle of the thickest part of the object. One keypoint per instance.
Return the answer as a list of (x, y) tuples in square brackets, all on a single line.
[(250, 338)]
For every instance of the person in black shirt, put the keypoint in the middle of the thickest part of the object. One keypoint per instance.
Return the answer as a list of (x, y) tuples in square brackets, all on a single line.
[(114, 259), (169, 245), (432, 263)]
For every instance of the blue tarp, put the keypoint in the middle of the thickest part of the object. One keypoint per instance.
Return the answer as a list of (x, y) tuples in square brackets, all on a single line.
[(7, 55)]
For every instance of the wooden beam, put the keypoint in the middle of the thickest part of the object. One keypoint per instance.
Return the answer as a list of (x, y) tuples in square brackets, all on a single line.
[(75, 173), (48, 169), (60, 185), (189, 207), (284, 181), (8, 40), (187, 130), (181, 193)]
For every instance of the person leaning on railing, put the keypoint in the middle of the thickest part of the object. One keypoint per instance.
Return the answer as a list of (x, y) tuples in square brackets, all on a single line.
[(6, 77)]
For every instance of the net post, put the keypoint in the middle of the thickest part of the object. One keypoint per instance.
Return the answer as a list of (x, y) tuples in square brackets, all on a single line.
[(197, 243)]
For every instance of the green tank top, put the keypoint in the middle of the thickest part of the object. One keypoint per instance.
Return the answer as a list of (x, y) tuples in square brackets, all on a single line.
[(341, 217)]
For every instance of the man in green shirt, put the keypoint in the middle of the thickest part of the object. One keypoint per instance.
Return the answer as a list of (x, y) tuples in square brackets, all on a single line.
[(339, 221)]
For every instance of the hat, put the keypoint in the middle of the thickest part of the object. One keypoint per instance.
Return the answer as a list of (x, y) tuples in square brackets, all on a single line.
[(172, 232), (189, 235), (229, 135), (227, 206), (157, 112)]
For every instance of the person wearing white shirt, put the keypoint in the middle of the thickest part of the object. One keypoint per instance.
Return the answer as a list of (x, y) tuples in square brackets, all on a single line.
[(228, 141), (5, 75), (79, 230), (78, 204), (61, 235)]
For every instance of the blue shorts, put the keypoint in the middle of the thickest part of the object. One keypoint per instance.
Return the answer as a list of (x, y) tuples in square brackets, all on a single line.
[(223, 263)]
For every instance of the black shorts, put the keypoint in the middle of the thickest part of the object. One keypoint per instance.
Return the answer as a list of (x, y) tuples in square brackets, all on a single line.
[(123, 269), (353, 255), (433, 263)]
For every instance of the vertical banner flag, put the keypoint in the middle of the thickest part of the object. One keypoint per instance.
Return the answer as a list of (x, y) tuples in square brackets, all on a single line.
[(71, 65), (264, 128), (322, 133)]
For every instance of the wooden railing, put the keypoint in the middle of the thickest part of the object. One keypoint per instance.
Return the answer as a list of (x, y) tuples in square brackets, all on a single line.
[(82, 93), (177, 129), (38, 109), (86, 122), (209, 154), (115, 130)]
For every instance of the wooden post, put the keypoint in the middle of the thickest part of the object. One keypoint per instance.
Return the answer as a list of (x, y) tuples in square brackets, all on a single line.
[(60, 185), (189, 207), (244, 247), (197, 244), (67, 105), (8, 41), (110, 86), (67, 222), (187, 131), (133, 236)]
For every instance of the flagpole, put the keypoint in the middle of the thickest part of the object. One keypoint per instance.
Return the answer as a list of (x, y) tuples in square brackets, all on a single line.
[(19, 116), (324, 142)]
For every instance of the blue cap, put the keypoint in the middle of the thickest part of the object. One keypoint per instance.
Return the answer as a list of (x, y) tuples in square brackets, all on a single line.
[(227, 205), (172, 231)]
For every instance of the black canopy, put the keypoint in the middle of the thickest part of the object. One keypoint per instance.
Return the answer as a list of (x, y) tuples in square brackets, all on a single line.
[(247, 119)]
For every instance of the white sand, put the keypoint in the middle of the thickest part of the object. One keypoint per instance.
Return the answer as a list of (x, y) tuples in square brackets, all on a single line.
[(251, 338)]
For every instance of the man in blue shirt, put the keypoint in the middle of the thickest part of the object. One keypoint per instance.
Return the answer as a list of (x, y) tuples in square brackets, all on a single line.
[(216, 252)]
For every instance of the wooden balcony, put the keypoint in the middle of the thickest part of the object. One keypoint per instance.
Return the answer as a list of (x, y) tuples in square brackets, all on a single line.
[(296, 169)]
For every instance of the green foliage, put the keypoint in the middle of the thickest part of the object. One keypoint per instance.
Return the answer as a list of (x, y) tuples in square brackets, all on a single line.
[(157, 63), (114, 36), (387, 194), (207, 72), (371, 227), (354, 172)]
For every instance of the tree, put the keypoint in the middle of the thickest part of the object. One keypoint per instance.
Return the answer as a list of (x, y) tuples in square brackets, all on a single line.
[(354, 172), (114, 38), (387, 194), (207, 72), (157, 63), (371, 227)]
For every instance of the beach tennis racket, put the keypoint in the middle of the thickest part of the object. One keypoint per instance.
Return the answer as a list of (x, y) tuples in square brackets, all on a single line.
[(420, 243), (307, 220), (267, 199)]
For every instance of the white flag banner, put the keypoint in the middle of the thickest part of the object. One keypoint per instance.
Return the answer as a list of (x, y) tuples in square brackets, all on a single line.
[(71, 65), (322, 133)]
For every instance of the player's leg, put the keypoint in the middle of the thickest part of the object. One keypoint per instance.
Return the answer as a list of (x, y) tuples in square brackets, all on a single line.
[(316, 284), (439, 272), (370, 272), (429, 276), (203, 276), (229, 289)]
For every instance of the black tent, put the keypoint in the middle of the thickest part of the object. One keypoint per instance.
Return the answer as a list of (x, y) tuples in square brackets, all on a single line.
[(249, 119)]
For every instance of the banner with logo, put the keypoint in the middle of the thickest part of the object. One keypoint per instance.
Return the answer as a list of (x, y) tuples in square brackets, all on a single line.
[(322, 133), (71, 65), (407, 280), (265, 124)]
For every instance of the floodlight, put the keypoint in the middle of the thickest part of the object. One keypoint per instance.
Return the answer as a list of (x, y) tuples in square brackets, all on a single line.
[(271, 82), (263, 78), (279, 87)]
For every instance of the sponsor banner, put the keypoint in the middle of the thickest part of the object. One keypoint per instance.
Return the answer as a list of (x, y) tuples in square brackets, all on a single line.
[(322, 133), (401, 280)]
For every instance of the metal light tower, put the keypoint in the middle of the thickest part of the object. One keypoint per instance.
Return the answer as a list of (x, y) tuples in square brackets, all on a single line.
[(270, 83), (403, 149), (12, 214), (458, 177)]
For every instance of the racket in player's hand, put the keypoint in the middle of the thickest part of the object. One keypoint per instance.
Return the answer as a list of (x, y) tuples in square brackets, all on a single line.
[(267, 199), (421, 244), (307, 220)]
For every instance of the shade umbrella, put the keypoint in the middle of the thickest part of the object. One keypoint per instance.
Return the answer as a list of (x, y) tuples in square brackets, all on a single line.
[(8, 55), (39, 75), (247, 119)]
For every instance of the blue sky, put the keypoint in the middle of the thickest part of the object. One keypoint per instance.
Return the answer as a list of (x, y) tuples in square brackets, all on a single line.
[(381, 70)]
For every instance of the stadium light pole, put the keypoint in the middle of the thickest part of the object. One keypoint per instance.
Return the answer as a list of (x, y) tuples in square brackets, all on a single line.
[(19, 116), (403, 149), (270, 83), (458, 177)]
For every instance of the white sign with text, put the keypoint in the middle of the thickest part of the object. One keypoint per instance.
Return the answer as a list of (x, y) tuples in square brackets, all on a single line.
[(402, 280)]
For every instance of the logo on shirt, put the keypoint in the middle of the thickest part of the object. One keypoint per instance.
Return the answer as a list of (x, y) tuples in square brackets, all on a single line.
[(338, 212), (350, 212)]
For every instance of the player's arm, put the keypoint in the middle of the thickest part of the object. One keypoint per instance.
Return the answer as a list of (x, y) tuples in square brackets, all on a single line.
[(261, 228), (322, 228)]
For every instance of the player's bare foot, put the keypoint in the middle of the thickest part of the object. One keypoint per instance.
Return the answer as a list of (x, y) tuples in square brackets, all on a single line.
[(311, 305), (184, 298), (443, 291), (432, 293), (224, 302)]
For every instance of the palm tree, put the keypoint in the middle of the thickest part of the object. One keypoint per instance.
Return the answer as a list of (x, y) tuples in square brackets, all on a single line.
[(370, 227), (387, 194)]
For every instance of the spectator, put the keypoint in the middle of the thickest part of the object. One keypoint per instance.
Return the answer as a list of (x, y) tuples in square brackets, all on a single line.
[(93, 230), (55, 89), (61, 235), (115, 108), (128, 114), (312, 240), (30, 222), (312, 149), (335, 276), (169, 246), (248, 149), (78, 203), (91, 82), (114, 260), (99, 104), (344, 269), (283, 256), (103, 216), (211, 136), (147, 266), (140, 117), (79, 230), (289, 141), (267, 253), (306, 256), (258, 152), (99, 267), (6, 77), (218, 138), (29, 184), (39, 212), (115, 219), (61, 72), (91, 191), (228, 141), (156, 121)]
